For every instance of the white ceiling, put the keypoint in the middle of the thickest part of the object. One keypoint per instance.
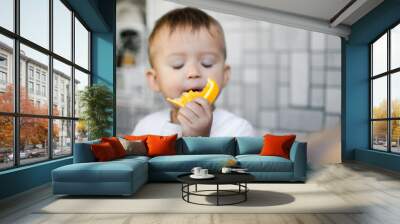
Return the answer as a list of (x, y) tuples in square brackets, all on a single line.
[(314, 15), (321, 9)]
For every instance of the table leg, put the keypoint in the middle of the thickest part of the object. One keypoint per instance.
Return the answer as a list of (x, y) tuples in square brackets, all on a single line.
[(196, 188), (217, 194), (188, 189), (245, 193)]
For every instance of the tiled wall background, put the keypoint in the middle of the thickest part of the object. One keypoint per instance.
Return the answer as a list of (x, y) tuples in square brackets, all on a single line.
[(283, 79)]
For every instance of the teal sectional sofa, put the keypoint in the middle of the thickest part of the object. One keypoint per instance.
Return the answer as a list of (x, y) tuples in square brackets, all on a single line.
[(125, 176)]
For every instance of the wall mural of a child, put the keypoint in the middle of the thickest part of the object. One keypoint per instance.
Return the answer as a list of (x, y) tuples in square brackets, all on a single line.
[(273, 78)]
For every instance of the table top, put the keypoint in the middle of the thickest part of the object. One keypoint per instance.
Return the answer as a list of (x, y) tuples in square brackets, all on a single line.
[(220, 178)]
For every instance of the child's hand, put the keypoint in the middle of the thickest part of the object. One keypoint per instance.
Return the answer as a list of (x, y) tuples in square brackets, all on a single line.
[(196, 118)]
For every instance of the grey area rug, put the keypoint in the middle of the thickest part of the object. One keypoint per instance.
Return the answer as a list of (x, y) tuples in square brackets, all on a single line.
[(166, 198)]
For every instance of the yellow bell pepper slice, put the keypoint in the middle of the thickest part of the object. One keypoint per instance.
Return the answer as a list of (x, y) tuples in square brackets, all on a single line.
[(209, 92)]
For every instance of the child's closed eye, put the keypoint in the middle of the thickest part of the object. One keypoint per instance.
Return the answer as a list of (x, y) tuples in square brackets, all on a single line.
[(207, 65), (177, 66)]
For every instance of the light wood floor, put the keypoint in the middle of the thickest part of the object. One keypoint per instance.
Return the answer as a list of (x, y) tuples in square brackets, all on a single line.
[(353, 182)]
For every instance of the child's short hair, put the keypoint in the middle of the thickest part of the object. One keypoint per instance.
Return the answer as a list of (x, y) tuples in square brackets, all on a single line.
[(183, 18)]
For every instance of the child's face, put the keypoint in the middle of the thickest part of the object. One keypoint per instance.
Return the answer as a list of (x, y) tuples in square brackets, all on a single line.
[(184, 60)]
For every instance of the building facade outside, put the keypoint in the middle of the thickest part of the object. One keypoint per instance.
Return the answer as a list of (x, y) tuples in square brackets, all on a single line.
[(34, 82)]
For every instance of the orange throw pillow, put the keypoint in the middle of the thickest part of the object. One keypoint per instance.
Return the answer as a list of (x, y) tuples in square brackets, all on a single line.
[(161, 145), (103, 151), (275, 145), (116, 145), (136, 137)]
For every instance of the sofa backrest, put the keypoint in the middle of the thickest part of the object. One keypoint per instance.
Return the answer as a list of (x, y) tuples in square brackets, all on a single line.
[(83, 152), (206, 145), (249, 145), (192, 146)]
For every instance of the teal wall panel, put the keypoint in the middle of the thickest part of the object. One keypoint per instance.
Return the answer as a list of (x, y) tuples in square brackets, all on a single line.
[(357, 100), (89, 11), (24, 178), (103, 54), (379, 159), (103, 65)]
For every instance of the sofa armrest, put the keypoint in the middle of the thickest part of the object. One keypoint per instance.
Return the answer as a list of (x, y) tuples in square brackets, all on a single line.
[(83, 152), (298, 155)]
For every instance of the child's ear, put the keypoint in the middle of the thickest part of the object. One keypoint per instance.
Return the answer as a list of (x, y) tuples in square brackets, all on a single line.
[(227, 75), (151, 76)]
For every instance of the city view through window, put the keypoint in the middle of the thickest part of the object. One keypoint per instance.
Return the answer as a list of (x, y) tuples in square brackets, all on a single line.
[(39, 114), (385, 82)]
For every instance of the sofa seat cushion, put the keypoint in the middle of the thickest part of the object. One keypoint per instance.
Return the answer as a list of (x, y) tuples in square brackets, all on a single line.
[(185, 163), (112, 171), (257, 163)]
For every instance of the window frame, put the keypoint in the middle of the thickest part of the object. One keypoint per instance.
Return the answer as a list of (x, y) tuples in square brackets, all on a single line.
[(388, 74), (5, 59), (16, 114), (3, 74)]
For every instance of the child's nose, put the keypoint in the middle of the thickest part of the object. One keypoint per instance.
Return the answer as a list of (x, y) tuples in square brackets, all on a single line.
[(193, 73)]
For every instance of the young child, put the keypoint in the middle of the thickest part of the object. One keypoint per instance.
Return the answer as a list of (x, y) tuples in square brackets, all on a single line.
[(186, 47)]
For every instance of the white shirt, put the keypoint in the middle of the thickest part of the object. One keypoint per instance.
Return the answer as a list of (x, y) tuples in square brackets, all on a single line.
[(224, 124)]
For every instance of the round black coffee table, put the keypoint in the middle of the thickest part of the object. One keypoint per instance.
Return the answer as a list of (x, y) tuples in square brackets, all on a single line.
[(238, 179)]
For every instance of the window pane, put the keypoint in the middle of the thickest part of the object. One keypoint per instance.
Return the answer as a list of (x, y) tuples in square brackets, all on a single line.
[(33, 139), (6, 142), (379, 135), (62, 133), (379, 100), (395, 47), (379, 55), (81, 131), (35, 21), (395, 136), (81, 81), (7, 14), (62, 29), (62, 89), (81, 45), (395, 94), (6, 74), (34, 72)]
